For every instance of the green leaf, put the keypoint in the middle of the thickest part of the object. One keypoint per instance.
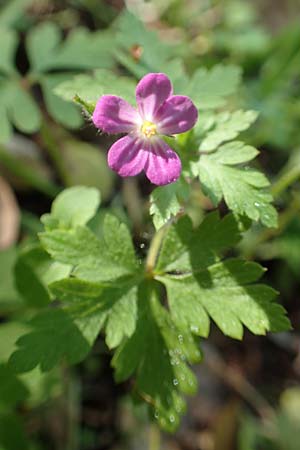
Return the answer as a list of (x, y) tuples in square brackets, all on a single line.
[(243, 189), (158, 354), (9, 296), (9, 333), (18, 107), (54, 337), (89, 88), (9, 40), (29, 285), (225, 293), (13, 11), (142, 50), (165, 202), (118, 240), (62, 112), (12, 390), (91, 307), (82, 49), (12, 433), (73, 207), (93, 259), (85, 50), (121, 321), (199, 286), (41, 43), (209, 88), (23, 111), (33, 271), (74, 289), (227, 126), (196, 249)]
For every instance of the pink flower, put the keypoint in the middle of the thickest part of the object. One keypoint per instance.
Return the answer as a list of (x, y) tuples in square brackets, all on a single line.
[(158, 112)]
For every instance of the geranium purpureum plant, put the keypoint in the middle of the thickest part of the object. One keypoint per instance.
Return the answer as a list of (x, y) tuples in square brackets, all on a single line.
[(102, 285), (159, 113), (146, 269)]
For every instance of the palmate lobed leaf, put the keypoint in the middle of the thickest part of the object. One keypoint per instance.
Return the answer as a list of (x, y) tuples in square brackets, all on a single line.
[(106, 289), (81, 49), (93, 307), (227, 126), (159, 353), (200, 286), (17, 108), (139, 49), (93, 259), (187, 249), (73, 207), (209, 87), (34, 270), (47, 52), (54, 336), (62, 112), (89, 88), (243, 189)]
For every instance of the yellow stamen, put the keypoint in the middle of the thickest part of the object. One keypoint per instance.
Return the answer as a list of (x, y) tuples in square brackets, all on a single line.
[(148, 129)]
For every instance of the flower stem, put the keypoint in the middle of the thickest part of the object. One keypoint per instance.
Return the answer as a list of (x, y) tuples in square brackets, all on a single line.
[(287, 179), (154, 248), (154, 437)]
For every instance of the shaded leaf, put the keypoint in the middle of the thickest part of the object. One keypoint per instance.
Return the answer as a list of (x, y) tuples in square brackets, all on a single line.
[(158, 353), (54, 337)]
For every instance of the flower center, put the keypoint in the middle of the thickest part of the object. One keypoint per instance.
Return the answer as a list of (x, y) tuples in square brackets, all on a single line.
[(148, 129)]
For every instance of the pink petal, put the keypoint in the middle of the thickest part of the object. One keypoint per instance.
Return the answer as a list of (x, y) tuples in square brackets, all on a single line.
[(163, 165), (114, 115), (176, 115), (127, 157), (152, 90)]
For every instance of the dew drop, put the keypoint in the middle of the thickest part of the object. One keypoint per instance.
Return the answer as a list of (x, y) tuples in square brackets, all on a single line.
[(195, 329), (180, 338), (175, 382), (172, 418)]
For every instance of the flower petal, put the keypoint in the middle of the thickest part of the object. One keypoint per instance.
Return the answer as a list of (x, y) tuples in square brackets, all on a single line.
[(152, 90), (163, 165), (127, 157), (114, 115), (176, 115)]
